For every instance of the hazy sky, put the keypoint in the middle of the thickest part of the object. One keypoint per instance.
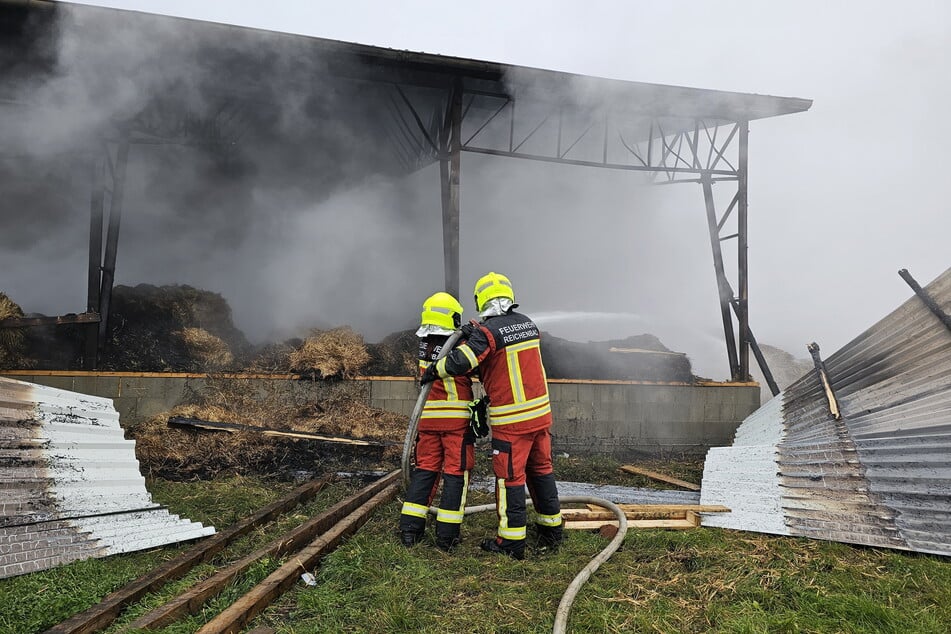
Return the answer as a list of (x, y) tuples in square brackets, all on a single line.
[(841, 196)]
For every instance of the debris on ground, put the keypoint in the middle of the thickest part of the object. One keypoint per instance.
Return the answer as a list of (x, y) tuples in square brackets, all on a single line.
[(332, 409)]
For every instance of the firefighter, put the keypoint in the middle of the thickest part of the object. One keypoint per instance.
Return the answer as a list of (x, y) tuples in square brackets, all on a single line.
[(444, 443), (504, 348)]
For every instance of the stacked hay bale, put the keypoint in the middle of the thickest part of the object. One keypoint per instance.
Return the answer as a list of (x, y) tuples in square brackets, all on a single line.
[(174, 328), (340, 352), (12, 340), (208, 350), (637, 358), (395, 355)]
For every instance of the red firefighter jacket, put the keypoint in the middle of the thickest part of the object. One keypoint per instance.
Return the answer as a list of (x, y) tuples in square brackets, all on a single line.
[(447, 407), (505, 349)]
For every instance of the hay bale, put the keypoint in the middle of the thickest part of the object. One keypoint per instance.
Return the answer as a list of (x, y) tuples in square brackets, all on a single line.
[(394, 355), (208, 350), (340, 352), (145, 322), (12, 340), (274, 358), (638, 358)]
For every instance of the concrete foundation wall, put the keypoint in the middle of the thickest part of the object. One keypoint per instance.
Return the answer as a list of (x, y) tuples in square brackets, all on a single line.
[(591, 417)]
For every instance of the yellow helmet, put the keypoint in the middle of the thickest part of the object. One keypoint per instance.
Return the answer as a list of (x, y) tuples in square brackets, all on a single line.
[(490, 286), (442, 309)]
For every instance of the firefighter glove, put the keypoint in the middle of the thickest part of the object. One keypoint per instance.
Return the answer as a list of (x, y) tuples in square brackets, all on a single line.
[(429, 375), (469, 328), (479, 417)]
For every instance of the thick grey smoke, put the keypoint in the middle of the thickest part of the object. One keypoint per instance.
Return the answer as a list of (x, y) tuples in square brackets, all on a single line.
[(297, 218), (840, 197)]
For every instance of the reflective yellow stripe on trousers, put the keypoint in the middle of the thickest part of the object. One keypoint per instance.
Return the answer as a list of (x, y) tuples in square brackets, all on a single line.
[(455, 517), (415, 510), (505, 532)]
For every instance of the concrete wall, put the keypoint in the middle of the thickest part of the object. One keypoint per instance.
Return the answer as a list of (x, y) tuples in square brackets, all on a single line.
[(591, 417)]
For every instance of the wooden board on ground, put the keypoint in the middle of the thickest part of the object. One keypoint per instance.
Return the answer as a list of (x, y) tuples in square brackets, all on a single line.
[(628, 468), (666, 508), (669, 516), (105, 612), (671, 524)]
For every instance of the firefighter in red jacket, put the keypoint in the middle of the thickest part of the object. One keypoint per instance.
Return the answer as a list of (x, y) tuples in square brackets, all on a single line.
[(445, 443), (504, 347)]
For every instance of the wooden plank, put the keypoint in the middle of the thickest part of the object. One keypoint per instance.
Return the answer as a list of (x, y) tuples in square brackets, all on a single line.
[(583, 515), (660, 476), (106, 611), (597, 524), (27, 322), (668, 508), (194, 423), (192, 600), (237, 615)]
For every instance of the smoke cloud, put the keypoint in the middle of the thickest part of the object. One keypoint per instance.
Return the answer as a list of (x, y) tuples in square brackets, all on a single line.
[(307, 219)]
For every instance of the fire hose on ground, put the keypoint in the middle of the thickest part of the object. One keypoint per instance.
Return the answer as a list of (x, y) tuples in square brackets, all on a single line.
[(564, 606)]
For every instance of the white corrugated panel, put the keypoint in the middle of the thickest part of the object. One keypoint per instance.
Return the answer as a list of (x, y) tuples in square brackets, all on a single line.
[(71, 483), (879, 476)]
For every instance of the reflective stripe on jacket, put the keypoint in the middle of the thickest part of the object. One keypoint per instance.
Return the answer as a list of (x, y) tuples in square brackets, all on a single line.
[(447, 407), (506, 351)]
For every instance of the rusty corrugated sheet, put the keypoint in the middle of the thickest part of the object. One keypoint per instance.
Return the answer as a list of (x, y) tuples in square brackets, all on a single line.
[(881, 475), (70, 483)]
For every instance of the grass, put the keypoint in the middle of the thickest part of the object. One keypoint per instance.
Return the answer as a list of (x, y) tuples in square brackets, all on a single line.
[(660, 581)]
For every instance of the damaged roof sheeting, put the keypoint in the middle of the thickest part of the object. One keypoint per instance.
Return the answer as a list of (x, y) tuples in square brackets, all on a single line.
[(879, 476), (71, 483)]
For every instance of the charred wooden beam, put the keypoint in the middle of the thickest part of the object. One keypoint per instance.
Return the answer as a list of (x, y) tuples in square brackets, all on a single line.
[(193, 423), (926, 298)]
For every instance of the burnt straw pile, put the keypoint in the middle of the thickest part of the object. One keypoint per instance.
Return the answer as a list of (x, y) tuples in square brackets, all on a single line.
[(638, 358), (175, 328), (178, 328), (337, 409)]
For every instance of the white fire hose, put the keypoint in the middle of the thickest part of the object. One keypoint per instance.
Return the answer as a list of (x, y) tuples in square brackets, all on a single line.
[(564, 606)]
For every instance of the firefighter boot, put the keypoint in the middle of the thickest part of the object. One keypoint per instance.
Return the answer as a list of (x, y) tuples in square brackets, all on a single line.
[(410, 538), (549, 538), (514, 549), (447, 536)]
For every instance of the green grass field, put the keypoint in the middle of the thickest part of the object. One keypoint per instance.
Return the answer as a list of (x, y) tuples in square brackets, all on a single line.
[(699, 580)]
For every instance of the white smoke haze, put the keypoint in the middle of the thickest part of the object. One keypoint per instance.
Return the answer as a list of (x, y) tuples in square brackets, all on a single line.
[(300, 225)]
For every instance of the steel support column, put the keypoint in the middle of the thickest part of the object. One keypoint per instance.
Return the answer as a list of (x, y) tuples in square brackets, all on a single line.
[(449, 165), (91, 352), (112, 238), (742, 307), (723, 286)]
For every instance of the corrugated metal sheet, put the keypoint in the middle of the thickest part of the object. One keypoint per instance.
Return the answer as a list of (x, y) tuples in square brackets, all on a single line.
[(70, 483), (881, 475)]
